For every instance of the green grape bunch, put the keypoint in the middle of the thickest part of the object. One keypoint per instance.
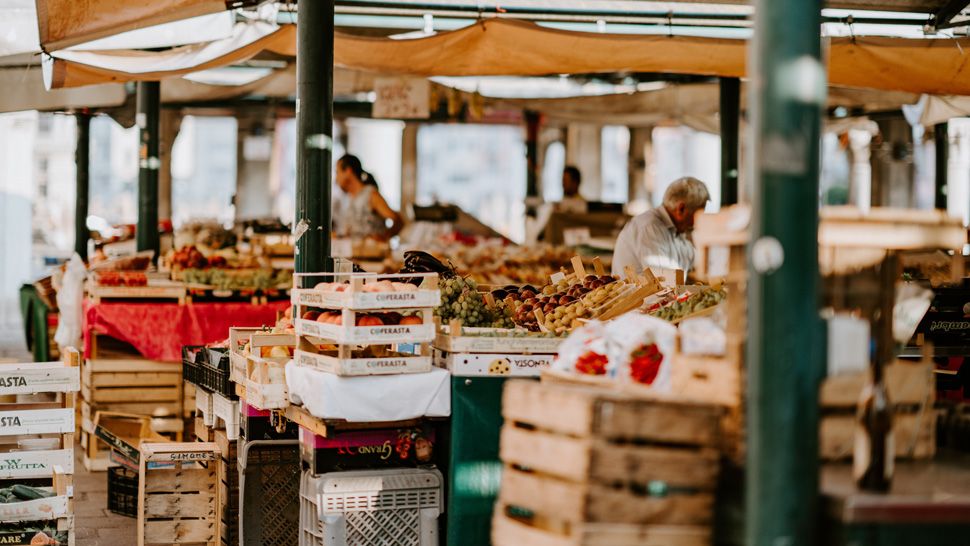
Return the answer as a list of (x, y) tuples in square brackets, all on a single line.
[(461, 300)]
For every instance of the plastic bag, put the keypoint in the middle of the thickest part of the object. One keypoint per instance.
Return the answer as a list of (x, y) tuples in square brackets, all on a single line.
[(585, 351), (639, 349), (70, 297), (702, 336)]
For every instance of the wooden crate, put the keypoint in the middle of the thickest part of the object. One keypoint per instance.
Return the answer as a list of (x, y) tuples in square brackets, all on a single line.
[(36, 417), (178, 504), (911, 389), (158, 290), (589, 464)]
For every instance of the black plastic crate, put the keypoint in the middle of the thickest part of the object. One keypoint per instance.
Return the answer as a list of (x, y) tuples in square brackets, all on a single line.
[(269, 473), (208, 367), (189, 366), (123, 491)]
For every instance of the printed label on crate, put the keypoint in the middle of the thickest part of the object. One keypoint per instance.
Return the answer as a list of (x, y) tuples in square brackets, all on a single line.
[(466, 364), (118, 444), (367, 449), (390, 333), (27, 379), (183, 456), (364, 366), (368, 300), (27, 534), (35, 464), (497, 344), (41, 421), (33, 510)]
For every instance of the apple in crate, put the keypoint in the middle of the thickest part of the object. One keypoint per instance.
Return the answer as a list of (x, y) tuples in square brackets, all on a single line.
[(412, 320), (311, 315)]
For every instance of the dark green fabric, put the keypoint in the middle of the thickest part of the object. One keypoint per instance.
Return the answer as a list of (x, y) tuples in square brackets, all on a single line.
[(475, 469), (34, 312), (897, 535)]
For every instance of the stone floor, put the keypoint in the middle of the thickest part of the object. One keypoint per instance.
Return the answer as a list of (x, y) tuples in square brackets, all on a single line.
[(94, 525)]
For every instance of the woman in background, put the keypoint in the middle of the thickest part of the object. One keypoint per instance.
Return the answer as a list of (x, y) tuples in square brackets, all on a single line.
[(363, 212)]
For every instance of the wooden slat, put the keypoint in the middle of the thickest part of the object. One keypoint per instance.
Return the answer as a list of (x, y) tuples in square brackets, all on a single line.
[(507, 531), (579, 502), (584, 459), (138, 408), (907, 383), (171, 481), (170, 505), (583, 411), (137, 365), (837, 435), (131, 379), (123, 394), (189, 531)]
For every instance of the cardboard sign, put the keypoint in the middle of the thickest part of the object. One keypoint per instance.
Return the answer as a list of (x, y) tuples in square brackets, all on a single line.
[(402, 98)]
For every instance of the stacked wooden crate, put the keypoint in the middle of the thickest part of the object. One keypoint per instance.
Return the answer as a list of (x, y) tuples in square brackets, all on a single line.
[(604, 467), (37, 448), (129, 385), (178, 494)]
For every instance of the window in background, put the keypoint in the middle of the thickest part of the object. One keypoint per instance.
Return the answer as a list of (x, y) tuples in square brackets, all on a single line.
[(614, 163), (554, 161), (682, 151), (113, 171), (480, 168), (204, 169)]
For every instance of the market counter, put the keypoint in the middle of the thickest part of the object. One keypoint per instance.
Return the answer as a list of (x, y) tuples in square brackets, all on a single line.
[(159, 330), (929, 505)]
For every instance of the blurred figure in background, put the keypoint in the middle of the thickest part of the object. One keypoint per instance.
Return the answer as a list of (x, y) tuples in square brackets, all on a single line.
[(660, 237), (362, 212), (572, 201)]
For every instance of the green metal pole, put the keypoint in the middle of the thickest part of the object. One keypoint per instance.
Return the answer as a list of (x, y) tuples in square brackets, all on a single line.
[(81, 161), (785, 343), (730, 115), (147, 110), (942, 146), (531, 153), (314, 133)]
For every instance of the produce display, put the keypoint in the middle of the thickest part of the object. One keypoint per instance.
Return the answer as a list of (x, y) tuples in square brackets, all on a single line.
[(374, 287), (500, 264), (121, 278), (461, 300), (363, 319), (563, 304), (224, 270), (677, 307)]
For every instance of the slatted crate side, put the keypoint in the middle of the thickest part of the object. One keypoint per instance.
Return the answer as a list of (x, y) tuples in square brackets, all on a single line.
[(537, 531), (178, 504), (593, 459), (608, 414), (591, 502)]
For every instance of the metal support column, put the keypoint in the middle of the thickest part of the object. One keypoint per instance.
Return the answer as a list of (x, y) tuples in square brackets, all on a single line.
[(532, 153), (82, 155), (314, 134), (147, 111), (730, 114), (942, 144), (785, 342)]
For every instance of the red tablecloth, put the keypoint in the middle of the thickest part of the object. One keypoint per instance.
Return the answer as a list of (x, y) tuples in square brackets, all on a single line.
[(159, 330)]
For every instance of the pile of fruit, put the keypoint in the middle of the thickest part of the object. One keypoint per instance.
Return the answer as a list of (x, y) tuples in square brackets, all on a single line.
[(379, 286), (687, 304), (364, 319), (121, 278), (461, 300), (562, 304)]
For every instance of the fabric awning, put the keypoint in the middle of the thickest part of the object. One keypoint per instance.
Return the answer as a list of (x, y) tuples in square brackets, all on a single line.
[(23, 89), (64, 23), (76, 68), (517, 48)]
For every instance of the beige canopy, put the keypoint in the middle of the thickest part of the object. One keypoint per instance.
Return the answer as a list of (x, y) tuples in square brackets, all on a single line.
[(63, 23), (516, 48)]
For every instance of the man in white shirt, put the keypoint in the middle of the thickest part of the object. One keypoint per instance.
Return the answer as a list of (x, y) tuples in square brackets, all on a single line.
[(660, 237)]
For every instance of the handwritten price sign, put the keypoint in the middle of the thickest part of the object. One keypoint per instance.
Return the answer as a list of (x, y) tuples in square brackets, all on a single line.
[(402, 98)]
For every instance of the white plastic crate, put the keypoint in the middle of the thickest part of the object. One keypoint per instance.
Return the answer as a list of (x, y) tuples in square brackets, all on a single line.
[(395, 507)]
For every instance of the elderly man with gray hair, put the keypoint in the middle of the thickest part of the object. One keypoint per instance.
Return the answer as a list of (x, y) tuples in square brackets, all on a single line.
[(660, 237)]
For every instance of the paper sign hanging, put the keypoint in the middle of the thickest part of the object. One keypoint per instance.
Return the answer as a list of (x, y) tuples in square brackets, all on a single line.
[(402, 98)]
